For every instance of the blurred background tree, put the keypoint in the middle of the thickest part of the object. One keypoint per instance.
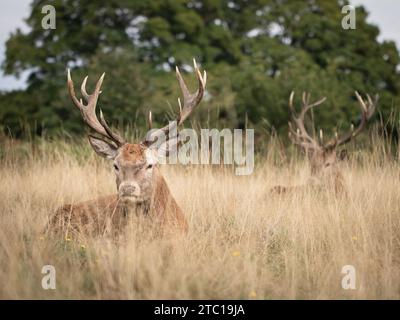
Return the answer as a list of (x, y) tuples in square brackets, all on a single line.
[(256, 52)]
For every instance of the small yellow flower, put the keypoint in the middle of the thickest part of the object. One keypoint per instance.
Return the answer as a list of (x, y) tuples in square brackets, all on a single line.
[(68, 239), (236, 253), (83, 247), (354, 238), (253, 294)]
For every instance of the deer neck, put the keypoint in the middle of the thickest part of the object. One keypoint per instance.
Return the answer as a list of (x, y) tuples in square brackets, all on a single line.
[(142, 208), (164, 206), (161, 196)]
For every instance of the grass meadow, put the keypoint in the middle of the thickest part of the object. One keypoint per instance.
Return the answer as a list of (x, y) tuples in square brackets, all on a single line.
[(243, 242)]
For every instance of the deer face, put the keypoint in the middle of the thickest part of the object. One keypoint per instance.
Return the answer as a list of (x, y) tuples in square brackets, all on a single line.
[(134, 167), (324, 162), (133, 163)]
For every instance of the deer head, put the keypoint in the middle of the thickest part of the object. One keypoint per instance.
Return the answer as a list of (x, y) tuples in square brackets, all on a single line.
[(134, 163), (324, 156)]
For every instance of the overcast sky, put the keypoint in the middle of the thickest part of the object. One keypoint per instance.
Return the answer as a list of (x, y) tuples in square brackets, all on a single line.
[(384, 13)]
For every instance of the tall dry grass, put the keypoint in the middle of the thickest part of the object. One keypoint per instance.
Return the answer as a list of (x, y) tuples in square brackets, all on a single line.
[(243, 242)]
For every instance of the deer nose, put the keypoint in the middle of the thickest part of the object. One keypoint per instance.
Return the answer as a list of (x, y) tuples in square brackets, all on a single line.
[(129, 190)]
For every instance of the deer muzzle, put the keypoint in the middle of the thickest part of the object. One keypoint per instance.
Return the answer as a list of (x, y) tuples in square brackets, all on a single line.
[(129, 190)]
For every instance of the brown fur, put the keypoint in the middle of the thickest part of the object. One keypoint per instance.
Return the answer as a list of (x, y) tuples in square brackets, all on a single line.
[(165, 206), (325, 174), (140, 185), (132, 152), (93, 216), (110, 213), (335, 183)]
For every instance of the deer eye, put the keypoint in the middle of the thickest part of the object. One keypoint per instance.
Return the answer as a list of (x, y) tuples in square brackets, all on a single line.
[(116, 167), (149, 166)]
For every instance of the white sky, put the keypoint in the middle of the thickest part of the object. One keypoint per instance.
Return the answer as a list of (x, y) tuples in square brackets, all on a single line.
[(384, 13)]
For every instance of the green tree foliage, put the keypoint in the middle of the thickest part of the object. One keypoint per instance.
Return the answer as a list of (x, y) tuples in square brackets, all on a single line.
[(256, 52)]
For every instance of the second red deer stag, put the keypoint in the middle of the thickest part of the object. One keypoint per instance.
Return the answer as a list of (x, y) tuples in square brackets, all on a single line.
[(141, 188), (323, 156)]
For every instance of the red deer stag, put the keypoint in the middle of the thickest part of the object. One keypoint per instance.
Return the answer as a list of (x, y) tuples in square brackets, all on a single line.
[(140, 184), (323, 156)]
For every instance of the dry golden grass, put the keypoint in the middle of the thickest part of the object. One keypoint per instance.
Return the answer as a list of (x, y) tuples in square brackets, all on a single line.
[(243, 242)]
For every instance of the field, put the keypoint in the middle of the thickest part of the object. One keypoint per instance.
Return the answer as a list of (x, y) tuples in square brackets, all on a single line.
[(243, 243)]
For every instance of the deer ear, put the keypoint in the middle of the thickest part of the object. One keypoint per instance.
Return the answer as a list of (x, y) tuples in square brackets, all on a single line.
[(103, 148)]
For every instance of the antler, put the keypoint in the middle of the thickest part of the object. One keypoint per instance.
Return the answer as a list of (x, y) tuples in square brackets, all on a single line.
[(300, 136), (89, 111), (190, 101), (367, 110)]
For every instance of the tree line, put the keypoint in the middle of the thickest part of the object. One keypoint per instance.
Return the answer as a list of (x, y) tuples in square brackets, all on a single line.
[(255, 53)]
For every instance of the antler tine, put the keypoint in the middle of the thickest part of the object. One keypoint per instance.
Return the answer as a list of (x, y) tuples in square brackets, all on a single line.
[(150, 120), (306, 106), (112, 135), (190, 101), (83, 89), (321, 135), (363, 106), (295, 133), (291, 108), (304, 138), (71, 90), (298, 120), (367, 110), (372, 105), (297, 139), (305, 98), (88, 111)]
